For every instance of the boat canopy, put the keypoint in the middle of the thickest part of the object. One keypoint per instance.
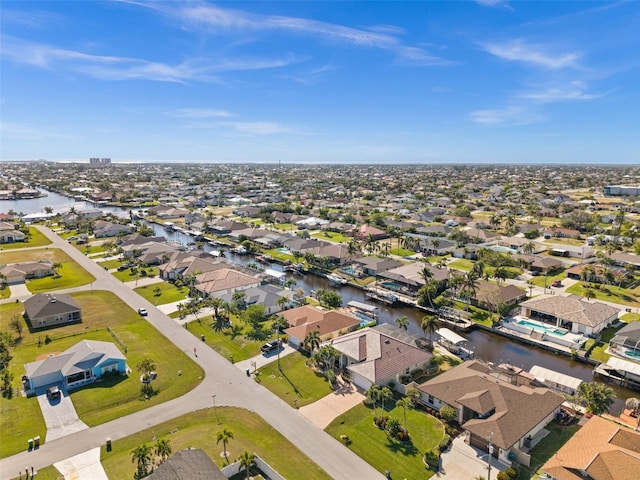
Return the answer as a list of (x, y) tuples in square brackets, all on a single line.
[(451, 336)]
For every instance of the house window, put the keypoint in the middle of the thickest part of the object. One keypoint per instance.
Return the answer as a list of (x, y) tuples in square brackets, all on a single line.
[(430, 399)]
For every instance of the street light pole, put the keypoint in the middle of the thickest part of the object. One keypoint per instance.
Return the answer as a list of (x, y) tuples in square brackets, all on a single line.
[(214, 408), (278, 344), (490, 454)]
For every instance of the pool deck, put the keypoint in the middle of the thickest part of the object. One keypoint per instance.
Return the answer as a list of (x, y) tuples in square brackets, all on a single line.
[(544, 344)]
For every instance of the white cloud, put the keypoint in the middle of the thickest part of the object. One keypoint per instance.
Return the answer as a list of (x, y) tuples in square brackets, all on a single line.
[(21, 131), (35, 19), (215, 19), (576, 91), (126, 68), (519, 51), (200, 113), (514, 115), (493, 3), (258, 128)]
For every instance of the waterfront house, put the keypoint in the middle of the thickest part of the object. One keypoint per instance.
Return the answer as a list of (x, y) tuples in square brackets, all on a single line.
[(601, 449), (85, 362), (103, 228), (626, 343), (328, 324), (267, 295), (571, 312), (224, 281), (496, 406), (373, 357), (49, 310)]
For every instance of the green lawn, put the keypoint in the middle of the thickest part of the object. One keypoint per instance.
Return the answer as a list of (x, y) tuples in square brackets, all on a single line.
[(372, 444), (71, 274), (331, 237), (624, 296), (169, 293), (37, 240), (198, 429), (47, 473), (543, 451), (461, 264), (598, 353), (115, 263), (296, 384), (128, 276), (540, 280), (238, 348), (5, 292), (21, 417)]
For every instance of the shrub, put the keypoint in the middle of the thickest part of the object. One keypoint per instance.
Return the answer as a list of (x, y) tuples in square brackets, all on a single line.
[(444, 443), (432, 459), (502, 476), (512, 473), (448, 414)]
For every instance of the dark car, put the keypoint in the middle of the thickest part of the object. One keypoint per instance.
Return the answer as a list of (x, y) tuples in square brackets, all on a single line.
[(142, 312), (270, 346), (556, 283), (124, 267), (53, 393)]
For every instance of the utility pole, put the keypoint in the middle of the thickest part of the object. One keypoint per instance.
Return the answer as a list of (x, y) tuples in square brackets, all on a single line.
[(278, 344), (490, 448)]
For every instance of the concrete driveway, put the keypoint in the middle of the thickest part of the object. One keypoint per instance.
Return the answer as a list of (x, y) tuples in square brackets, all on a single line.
[(325, 410), (463, 461), (59, 415)]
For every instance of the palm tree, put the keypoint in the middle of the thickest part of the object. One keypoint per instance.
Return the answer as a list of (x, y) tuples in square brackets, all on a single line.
[(282, 302), (430, 323), (224, 436), (385, 394), (142, 456), (406, 404), (163, 449), (402, 322), (500, 274), (528, 248), (373, 395), (589, 294), (469, 286), (312, 340), (597, 397), (216, 303), (247, 461)]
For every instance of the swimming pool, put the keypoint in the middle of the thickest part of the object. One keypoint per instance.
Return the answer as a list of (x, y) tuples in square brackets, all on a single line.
[(396, 287), (632, 353), (283, 250), (541, 327)]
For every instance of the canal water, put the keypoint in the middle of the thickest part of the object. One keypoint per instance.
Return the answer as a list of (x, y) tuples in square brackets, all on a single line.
[(487, 346)]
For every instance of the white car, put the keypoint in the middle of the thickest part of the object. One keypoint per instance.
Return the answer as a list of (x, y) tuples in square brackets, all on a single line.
[(142, 312)]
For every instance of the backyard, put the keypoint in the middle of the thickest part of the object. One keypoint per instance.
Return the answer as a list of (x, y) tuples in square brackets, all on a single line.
[(404, 460), (296, 383), (177, 374), (558, 436), (610, 293)]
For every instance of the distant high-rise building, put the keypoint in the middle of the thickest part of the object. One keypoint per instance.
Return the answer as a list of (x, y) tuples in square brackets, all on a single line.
[(620, 190), (99, 161)]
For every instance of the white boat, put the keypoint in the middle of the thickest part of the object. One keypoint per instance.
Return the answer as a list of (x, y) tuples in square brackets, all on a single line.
[(336, 279)]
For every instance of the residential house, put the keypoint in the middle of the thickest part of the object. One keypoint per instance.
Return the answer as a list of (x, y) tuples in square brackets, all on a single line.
[(9, 233), (626, 343), (490, 295), (328, 323), (571, 312), (373, 266), (496, 406), (560, 232), (366, 231), (601, 449), (190, 464), (85, 362), (538, 264), (373, 357), (408, 279), (49, 310), (103, 228), (19, 272), (224, 281), (267, 295)]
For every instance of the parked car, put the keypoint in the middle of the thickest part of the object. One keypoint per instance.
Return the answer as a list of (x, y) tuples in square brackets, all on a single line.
[(270, 346), (556, 283), (125, 266), (142, 312), (54, 393)]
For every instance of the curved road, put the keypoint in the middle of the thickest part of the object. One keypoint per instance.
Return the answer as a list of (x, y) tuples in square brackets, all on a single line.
[(222, 379)]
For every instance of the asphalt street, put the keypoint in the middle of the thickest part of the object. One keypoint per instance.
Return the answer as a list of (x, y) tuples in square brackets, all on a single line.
[(222, 379)]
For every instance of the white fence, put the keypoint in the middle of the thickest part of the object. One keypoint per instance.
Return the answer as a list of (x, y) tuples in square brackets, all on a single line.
[(234, 468)]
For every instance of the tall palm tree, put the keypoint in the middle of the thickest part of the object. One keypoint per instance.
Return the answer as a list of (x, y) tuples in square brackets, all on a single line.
[(373, 395), (500, 274), (589, 294), (312, 340), (406, 404), (163, 449), (470, 286), (224, 436), (385, 394), (430, 323), (247, 461), (142, 456), (402, 322)]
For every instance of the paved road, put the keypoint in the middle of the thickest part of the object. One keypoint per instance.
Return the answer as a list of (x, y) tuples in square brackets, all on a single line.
[(222, 379)]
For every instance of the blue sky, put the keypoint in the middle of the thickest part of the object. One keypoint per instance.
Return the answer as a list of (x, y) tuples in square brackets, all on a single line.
[(321, 82)]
